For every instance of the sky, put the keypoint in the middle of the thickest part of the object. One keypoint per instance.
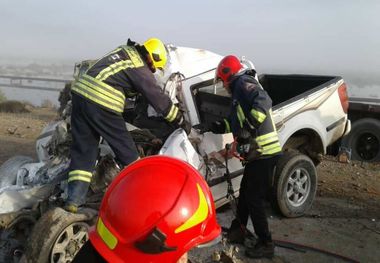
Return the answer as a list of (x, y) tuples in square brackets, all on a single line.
[(304, 36)]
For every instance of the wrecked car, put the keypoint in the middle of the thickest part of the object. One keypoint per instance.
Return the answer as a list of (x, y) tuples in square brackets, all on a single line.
[(310, 113)]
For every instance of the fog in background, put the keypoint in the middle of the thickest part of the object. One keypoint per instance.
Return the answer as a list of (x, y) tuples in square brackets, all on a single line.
[(333, 37)]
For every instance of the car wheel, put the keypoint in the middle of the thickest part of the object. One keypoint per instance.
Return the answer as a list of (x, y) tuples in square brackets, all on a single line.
[(58, 235), (364, 140), (295, 184), (13, 236)]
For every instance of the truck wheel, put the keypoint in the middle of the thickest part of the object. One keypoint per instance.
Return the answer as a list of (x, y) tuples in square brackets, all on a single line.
[(364, 140), (295, 184), (8, 171), (57, 236)]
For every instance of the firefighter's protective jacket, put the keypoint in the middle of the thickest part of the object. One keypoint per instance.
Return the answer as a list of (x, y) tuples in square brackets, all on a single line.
[(120, 74), (251, 110)]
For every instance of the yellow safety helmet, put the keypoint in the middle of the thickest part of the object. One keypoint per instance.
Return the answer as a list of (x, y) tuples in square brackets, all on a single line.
[(157, 52)]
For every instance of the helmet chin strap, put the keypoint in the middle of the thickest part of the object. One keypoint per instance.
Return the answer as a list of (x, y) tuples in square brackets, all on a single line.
[(145, 55), (149, 62)]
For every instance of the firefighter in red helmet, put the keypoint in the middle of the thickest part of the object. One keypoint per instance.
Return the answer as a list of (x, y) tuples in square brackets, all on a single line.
[(252, 125), (155, 210)]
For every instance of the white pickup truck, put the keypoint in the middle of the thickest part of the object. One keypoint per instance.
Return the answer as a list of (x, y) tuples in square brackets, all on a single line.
[(310, 113)]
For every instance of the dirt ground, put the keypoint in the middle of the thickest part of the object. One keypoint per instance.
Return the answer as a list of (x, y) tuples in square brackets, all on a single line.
[(18, 131), (344, 219)]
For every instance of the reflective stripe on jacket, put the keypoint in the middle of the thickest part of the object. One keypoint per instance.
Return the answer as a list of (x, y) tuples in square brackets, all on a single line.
[(251, 109), (100, 93)]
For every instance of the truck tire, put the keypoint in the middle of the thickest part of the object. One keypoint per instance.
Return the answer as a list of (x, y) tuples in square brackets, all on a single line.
[(58, 235), (8, 170), (294, 184), (364, 140)]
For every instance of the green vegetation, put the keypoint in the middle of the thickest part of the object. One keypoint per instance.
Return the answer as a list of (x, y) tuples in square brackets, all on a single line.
[(2, 96), (13, 106)]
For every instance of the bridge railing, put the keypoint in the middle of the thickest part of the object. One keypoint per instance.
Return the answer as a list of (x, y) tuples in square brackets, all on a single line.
[(36, 83)]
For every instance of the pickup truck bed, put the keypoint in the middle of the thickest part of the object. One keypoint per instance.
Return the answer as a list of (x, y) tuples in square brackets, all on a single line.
[(284, 89)]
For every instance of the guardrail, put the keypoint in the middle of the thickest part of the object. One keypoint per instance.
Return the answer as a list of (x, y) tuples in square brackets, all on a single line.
[(35, 83)]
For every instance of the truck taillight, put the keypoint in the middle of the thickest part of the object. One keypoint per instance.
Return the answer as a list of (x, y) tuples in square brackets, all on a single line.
[(342, 91)]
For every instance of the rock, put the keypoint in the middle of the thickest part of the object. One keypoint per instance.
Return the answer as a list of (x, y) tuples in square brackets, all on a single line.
[(12, 130), (28, 107), (216, 256)]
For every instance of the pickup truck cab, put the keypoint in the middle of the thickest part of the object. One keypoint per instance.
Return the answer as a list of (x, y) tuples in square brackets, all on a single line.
[(310, 113)]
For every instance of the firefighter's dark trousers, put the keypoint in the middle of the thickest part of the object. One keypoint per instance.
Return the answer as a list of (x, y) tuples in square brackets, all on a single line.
[(253, 190), (88, 123), (88, 254)]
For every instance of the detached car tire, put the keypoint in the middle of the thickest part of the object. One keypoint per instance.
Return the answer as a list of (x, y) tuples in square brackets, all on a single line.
[(364, 140), (58, 235), (294, 184)]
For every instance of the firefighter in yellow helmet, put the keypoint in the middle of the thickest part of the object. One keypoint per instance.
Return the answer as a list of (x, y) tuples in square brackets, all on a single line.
[(98, 102)]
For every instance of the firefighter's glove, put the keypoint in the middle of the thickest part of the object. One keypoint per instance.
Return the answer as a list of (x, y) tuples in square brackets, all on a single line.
[(247, 146), (180, 122), (218, 127), (185, 125), (243, 142)]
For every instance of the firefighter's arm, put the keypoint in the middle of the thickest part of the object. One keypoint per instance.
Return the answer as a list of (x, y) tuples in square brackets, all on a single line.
[(145, 83), (260, 104), (221, 126)]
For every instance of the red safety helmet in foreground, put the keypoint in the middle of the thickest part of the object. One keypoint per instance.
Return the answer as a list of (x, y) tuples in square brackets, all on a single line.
[(227, 68), (155, 210)]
